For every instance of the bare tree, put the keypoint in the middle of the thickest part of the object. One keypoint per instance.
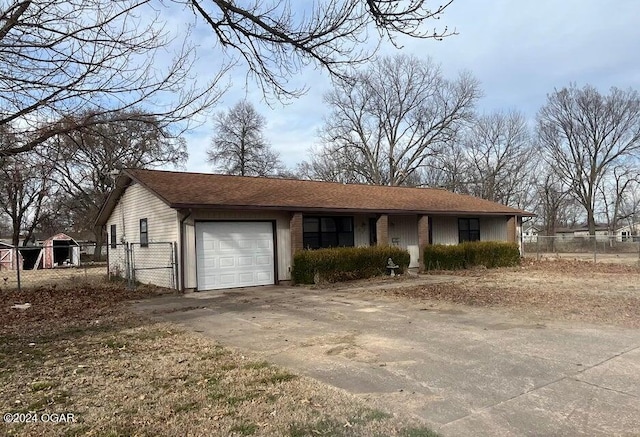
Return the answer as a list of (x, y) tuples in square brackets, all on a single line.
[(106, 57), (500, 158), (447, 170), (585, 133), (277, 39), (25, 188), (630, 209), (89, 156), (325, 166), (239, 146), (394, 117), (552, 200), (620, 180), (101, 58)]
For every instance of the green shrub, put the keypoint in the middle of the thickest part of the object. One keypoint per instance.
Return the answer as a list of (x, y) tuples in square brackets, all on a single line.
[(345, 263), (489, 254)]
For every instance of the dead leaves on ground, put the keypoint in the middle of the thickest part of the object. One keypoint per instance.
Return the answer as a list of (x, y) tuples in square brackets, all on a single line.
[(55, 308)]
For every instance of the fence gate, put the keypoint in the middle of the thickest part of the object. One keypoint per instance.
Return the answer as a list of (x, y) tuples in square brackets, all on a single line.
[(152, 263)]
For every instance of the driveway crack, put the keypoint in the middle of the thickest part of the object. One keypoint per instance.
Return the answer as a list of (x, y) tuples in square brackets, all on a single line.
[(607, 388), (536, 388)]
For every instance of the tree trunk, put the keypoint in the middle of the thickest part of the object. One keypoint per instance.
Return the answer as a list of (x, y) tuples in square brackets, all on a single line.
[(591, 222), (15, 236), (99, 236)]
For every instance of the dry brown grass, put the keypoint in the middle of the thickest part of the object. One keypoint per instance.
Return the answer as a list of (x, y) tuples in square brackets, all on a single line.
[(61, 277), (558, 290), (79, 350)]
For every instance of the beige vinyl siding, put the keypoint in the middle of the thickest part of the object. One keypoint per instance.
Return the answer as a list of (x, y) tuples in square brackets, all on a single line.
[(283, 239), (403, 232), (444, 230), (138, 203), (493, 228), (361, 230)]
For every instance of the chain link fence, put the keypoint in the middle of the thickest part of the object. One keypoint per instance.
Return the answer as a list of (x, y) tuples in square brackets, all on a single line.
[(596, 248), (65, 263), (137, 263)]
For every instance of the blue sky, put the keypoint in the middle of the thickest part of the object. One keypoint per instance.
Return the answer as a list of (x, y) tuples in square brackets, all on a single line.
[(520, 51)]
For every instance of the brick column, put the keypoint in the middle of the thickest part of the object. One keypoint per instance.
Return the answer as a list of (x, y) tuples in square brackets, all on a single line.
[(511, 229), (295, 229), (423, 238), (382, 230)]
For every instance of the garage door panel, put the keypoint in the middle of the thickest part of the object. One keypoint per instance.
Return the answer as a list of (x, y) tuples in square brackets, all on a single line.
[(234, 254), (246, 278), (263, 260), (246, 244), (262, 276), (227, 261), (227, 280), (245, 261), (264, 244), (227, 245)]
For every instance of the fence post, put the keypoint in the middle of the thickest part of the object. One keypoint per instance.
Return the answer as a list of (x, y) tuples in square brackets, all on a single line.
[(18, 268), (538, 247), (108, 255), (131, 261), (595, 249), (174, 262)]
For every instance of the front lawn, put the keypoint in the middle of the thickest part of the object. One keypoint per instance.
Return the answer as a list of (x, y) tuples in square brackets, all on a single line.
[(81, 351)]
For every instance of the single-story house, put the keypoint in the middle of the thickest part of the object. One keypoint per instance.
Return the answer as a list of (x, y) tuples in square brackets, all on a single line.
[(530, 232), (629, 232), (233, 231), (582, 231)]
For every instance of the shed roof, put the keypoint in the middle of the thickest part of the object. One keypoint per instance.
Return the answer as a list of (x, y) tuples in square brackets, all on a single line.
[(182, 190)]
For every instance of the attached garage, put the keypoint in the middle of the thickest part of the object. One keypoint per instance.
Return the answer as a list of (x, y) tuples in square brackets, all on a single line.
[(234, 254)]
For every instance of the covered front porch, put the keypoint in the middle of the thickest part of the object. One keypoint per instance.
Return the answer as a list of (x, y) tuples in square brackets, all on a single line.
[(409, 231)]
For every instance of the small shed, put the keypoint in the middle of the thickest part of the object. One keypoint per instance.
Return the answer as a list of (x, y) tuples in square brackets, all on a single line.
[(60, 250), (8, 259)]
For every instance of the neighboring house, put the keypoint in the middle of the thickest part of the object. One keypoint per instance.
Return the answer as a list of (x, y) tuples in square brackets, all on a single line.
[(630, 232), (234, 231), (602, 232), (530, 232)]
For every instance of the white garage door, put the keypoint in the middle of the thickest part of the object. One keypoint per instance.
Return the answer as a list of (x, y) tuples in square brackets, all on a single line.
[(234, 254)]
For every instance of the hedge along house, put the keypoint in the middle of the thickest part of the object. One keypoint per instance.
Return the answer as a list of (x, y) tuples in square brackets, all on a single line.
[(234, 231)]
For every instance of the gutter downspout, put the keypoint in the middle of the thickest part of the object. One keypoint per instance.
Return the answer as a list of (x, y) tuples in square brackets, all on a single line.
[(182, 287)]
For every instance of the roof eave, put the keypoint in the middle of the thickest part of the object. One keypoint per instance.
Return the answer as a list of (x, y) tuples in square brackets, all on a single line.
[(122, 182), (347, 210)]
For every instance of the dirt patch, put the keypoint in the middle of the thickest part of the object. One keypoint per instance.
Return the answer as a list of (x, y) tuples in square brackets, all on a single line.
[(80, 351), (561, 289)]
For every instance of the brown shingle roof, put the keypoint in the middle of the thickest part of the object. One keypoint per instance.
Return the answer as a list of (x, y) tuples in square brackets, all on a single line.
[(195, 190)]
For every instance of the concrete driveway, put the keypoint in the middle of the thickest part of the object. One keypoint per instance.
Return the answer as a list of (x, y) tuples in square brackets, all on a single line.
[(464, 371)]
